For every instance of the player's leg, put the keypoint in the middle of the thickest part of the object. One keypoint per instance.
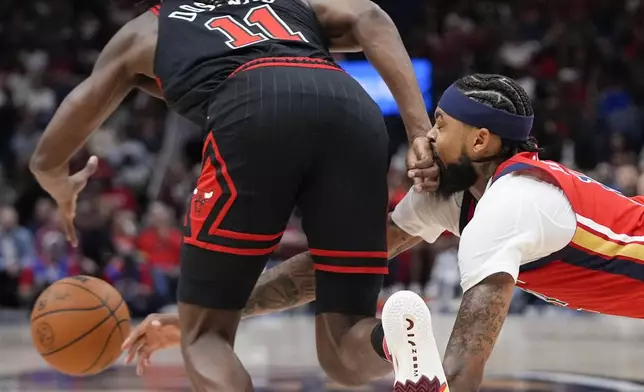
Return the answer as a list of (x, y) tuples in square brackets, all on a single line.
[(240, 208), (344, 207), (345, 215)]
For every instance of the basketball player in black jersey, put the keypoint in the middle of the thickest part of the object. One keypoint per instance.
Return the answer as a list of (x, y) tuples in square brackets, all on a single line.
[(285, 127)]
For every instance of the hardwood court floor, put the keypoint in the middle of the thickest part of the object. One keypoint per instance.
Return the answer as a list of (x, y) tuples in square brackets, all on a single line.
[(534, 354)]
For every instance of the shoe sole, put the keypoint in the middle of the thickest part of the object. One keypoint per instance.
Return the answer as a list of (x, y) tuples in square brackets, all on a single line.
[(407, 324)]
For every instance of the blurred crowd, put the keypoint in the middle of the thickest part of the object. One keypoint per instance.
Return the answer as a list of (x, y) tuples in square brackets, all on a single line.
[(581, 61)]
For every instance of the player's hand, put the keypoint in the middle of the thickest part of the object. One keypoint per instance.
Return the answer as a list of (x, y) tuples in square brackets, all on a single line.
[(156, 332), (65, 189), (421, 167)]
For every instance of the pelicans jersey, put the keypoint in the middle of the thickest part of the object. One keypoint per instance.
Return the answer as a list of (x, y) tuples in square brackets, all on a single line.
[(602, 268)]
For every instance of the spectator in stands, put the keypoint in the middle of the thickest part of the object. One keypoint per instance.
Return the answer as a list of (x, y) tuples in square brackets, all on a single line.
[(55, 261), (160, 245), (16, 254), (582, 63), (43, 213)]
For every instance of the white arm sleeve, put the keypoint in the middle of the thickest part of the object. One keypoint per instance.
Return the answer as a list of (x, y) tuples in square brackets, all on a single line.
[(518, 220), (427, 216)]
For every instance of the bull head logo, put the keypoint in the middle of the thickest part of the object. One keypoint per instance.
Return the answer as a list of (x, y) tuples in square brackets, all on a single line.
[(201, 198)]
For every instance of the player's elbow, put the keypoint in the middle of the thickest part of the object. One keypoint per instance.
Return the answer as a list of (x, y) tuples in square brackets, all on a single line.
[(341, 21), (37, 162), (369, 13)]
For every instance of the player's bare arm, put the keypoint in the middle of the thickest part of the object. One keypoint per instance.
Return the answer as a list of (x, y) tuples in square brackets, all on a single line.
[(286, 286), (125, 63), (479, 321), (362, 24)]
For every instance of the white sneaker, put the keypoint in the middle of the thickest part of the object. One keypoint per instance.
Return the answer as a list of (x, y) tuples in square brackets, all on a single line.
[(410, 343)]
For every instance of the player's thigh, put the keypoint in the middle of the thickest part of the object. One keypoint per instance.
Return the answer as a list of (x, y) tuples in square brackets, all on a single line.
[(238, 211), (344, 207)]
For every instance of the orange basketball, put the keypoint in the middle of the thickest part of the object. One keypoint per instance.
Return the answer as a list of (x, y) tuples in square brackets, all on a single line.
[(78, 325)]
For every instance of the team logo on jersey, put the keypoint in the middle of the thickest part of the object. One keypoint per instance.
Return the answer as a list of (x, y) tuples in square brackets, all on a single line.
[(201, 198)]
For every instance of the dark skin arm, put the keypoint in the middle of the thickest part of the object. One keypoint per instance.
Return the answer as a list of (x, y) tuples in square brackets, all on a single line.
[(361, 24), (365, 25), (480, 318), (124, 64)]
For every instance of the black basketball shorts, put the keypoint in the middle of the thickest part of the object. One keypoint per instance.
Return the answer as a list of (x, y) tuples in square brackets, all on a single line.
[(301, 133)]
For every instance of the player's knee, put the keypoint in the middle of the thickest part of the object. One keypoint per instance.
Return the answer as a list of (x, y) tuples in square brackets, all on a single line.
[(226, 380), (337, 344), (336, 369), (197, 346)]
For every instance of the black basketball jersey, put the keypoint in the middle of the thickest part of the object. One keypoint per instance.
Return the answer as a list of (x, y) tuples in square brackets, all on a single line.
[(201, 44)]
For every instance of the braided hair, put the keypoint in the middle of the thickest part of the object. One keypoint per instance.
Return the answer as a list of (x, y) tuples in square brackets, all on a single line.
[(502, 93)]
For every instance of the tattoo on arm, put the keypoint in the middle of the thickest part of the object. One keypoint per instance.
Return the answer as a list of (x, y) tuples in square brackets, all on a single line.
[(285, 286), (292, 283), (399, 240), (483, 310)]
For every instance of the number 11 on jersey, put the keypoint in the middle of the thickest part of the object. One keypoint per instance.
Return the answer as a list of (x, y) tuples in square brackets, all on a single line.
[(264, 18)]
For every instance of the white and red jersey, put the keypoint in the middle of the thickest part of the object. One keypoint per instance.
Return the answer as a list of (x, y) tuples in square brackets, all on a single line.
[(602, 267)]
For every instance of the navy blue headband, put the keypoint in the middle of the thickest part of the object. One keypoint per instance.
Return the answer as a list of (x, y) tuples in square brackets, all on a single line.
[(505, 125)]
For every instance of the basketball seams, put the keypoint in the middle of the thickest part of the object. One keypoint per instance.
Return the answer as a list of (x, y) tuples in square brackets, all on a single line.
[(65, 310), (94, 328), (86, 289), (77, 339), (105, 352), (103, 301), (107, 341)]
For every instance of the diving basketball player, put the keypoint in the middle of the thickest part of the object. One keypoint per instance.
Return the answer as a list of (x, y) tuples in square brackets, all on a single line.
[(545, 228), (284, 126)]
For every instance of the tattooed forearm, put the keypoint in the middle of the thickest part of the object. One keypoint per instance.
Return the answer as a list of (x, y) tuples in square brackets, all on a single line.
[(288, 285), (483, 310), (398, 240), (292, 283)]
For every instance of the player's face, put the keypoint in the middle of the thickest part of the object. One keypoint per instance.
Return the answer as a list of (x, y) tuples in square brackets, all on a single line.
[(450, 141)]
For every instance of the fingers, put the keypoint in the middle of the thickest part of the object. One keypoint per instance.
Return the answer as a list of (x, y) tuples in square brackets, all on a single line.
[(431, 173), (425, 185), (141, 364), (133, 336), (420, 155), (133, 348), (138, 346), (143, 360), (67, 216), (425, 180), (90, 167), (79, 180), (423, 151), (424, 163)]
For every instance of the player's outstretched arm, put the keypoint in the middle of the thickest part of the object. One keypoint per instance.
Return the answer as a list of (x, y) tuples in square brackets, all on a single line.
[(125, 63), (482, 313), (363, 23)]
